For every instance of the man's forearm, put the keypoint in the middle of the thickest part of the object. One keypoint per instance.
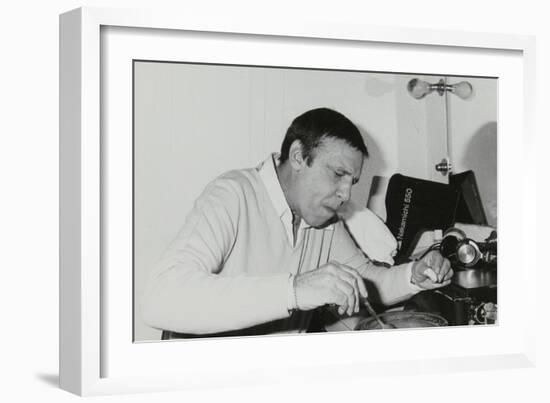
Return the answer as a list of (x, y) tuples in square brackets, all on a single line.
[(190, 301), (392, 285)]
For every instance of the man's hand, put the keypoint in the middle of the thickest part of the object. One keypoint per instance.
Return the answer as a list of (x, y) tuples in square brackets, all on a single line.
[(332, 283), (432, 271)]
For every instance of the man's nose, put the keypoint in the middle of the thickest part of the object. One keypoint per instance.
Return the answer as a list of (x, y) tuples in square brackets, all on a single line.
[(344, 192)]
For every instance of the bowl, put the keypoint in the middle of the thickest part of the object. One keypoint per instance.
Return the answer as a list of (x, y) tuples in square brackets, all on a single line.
[(403, 320)]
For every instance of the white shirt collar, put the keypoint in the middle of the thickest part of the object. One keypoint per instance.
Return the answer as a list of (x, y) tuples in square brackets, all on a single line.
[(269, 177)]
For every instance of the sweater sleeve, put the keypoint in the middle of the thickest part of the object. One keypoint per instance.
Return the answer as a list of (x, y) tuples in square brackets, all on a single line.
[(189, 292), (388, 285)]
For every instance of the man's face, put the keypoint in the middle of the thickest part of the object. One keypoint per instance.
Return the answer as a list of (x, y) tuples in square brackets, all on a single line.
[(325, 185)]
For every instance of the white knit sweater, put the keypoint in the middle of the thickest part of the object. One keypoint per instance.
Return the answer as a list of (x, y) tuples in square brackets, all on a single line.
[(230, 264)]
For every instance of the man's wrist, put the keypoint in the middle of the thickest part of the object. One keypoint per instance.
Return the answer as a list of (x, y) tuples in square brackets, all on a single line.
[(409, 274), (292, 303)]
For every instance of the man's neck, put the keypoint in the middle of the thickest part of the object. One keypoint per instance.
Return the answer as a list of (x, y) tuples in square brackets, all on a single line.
[(284, 174)]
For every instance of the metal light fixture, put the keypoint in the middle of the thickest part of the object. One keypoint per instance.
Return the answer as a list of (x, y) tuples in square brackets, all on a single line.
[(419, 89), (464, 90)]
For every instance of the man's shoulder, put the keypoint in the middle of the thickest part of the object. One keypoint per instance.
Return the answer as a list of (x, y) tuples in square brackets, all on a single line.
[(238, 178), (240, 175), (237, 182)]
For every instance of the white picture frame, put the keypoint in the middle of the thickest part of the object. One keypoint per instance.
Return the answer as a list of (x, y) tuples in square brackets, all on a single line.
[(85, 347)]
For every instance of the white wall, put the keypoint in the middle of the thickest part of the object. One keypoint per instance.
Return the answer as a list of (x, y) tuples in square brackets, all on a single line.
[(29, 202), (474, 133)]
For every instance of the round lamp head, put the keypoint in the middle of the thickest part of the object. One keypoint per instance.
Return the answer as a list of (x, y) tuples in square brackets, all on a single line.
[(418, 88), (463, 89)]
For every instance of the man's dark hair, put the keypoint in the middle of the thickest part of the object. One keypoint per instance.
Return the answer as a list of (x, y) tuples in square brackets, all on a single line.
[(313, 126)]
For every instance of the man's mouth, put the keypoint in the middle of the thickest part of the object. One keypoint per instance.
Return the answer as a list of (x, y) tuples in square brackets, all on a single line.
[(333, 217), (331, 210), (334, 209)]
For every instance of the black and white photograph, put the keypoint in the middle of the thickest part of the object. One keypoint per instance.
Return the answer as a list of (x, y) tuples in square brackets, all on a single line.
[(270, 200), (275, 201)]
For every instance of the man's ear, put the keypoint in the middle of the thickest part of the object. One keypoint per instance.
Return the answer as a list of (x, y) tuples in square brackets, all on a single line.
[(295, 155)]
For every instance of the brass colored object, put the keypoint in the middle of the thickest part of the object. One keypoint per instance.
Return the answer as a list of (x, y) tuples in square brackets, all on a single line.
[(403, 320), (444, 167)]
